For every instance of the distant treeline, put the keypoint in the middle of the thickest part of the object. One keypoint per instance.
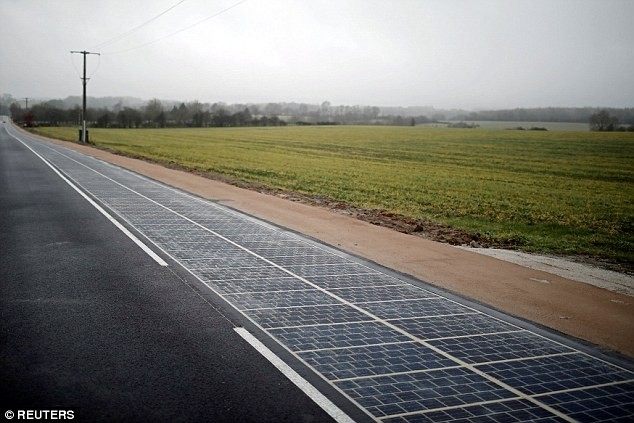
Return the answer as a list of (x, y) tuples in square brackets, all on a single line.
[(152, 115), (550, 114), (156, 114), (131, 112)]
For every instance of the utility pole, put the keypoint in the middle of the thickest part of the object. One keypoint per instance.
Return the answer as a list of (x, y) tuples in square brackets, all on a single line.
[(84, 138), (26, 118)]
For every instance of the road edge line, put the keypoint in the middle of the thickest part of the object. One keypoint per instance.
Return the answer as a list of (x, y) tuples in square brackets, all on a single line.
[(312, 392)]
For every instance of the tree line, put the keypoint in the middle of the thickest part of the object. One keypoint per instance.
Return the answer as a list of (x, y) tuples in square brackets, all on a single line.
[(130, 112), (151, 115), (624, 116), (158, 114)]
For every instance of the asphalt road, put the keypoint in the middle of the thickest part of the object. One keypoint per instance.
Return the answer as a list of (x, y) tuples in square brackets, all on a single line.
[(89, 321)]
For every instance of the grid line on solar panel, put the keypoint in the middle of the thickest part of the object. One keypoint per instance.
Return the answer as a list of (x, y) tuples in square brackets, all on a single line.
[(186, 254), (309, 260), (414, 308), (186, 241), (556, 373), (188, 231), (498, 347), (330, 270), (610, 403), (269, 300), (211, 221), (366, 280), (507, 410), (162, 223), (137, 216), (495, 333), (226, 253), (364, 361), (306, 316), (453, 326), (362, 295), (274, 236), (135, 220), (273, 253), (271, 272), (510, 360), (250, 231), (206, 263), (257, 247), (254, 286), (347, 346), (212, 248), (329, 336), (467, 312), (185, 245), (407, 393)]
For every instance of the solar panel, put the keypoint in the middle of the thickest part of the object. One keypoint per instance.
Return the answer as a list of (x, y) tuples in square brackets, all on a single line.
[(399, 351)]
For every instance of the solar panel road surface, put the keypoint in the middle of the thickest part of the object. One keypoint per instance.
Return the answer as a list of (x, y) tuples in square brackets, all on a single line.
[(394, 349)]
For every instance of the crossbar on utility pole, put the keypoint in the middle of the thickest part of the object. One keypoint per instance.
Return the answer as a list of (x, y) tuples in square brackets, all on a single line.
[(84, 139)]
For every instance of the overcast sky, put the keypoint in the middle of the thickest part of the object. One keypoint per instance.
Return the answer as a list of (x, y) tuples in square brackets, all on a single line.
[(443, 53)]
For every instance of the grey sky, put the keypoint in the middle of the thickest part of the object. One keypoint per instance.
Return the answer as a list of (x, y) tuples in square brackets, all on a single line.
[(443, 53)]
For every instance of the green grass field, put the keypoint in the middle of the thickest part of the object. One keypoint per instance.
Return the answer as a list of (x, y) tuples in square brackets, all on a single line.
[(569, 193)]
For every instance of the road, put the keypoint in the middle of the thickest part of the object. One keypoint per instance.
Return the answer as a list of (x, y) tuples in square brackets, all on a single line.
[(146, 314), (90, 321)]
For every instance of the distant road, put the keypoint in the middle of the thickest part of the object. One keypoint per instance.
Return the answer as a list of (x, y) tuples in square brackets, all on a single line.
[(90, 321)]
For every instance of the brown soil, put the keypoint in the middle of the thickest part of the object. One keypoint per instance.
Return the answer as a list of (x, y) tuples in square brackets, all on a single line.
[(583, 311)]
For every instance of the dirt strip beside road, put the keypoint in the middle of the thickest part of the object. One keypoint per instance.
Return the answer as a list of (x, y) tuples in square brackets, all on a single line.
[(584, 311)]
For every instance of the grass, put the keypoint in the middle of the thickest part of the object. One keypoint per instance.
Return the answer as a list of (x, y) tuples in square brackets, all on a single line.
[(569, 193)]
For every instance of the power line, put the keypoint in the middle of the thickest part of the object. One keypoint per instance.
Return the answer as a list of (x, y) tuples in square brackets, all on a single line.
[(180, 30), (136, 28)]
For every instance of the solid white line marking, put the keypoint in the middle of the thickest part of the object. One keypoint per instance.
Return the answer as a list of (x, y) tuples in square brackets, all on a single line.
[(115, 222), (327, 405)]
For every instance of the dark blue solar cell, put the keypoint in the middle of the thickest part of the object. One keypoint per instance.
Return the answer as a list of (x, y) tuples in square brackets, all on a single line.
[(499, 347), (565, 368)]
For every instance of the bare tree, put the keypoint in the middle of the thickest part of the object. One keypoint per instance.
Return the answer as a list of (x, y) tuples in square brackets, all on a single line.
[(154, 112), (602, 121)]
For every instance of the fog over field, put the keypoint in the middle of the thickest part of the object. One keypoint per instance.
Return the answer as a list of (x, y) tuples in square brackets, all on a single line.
[(477, 54)]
